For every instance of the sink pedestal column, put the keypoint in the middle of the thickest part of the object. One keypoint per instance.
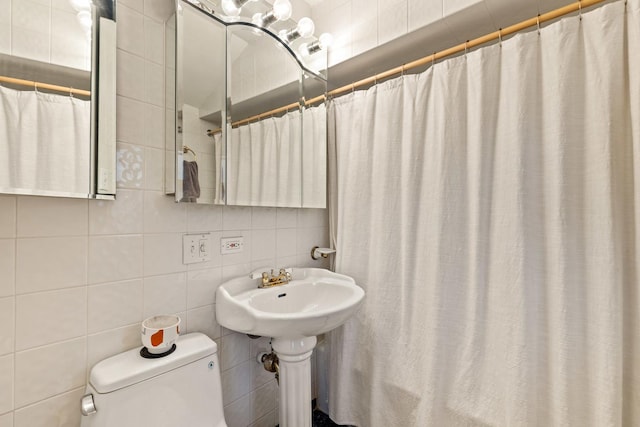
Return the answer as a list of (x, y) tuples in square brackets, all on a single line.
[(295, 379)]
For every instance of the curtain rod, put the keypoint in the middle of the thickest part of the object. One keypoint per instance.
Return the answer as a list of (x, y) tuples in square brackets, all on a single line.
[(462, 47), (47, 86)]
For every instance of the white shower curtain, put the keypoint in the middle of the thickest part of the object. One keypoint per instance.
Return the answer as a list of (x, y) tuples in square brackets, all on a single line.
[(44, 142), (490, 208)]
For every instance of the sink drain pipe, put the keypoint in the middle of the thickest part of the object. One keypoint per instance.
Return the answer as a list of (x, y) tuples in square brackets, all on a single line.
[(270, 363)]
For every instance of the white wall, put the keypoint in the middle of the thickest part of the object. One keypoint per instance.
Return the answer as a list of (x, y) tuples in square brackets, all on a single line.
[(361, 25), (77, 276), (44, 30)]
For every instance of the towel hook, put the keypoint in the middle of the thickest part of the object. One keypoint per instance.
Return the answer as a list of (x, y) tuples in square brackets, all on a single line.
[(186, 149)]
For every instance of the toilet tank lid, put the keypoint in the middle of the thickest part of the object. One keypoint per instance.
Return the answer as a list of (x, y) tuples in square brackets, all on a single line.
[(129, 368)]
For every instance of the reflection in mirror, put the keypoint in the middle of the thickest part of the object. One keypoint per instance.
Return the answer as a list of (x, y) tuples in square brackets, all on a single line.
[(264, 156), (200, 102), (49, 99)]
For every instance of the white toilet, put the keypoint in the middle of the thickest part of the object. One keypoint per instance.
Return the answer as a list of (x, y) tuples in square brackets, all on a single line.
[(181, 389)]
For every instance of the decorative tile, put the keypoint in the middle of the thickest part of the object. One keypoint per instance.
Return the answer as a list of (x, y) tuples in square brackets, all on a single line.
[(129, 166)]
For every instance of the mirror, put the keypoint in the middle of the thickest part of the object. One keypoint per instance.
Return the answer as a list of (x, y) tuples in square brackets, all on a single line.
[(52, 98), (199, 106), (241, 107)]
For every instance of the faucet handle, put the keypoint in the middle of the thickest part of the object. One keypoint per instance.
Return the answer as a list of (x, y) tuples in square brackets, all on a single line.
[(258, 273)]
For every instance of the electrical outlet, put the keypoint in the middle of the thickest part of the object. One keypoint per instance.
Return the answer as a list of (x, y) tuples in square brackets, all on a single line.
[(231, 245)]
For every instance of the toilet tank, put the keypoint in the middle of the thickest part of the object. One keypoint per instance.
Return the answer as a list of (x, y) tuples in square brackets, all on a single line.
[(180, 389)]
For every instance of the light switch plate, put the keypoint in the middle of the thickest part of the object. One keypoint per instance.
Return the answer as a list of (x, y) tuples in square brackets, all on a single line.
[(196, 248)]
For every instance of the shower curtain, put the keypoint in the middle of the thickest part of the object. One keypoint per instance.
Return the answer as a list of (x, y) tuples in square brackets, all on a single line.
[(490, 209), (44, 142)]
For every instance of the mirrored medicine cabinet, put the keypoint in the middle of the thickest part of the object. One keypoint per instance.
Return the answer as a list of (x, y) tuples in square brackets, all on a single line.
[(240, 128), (58, 99)]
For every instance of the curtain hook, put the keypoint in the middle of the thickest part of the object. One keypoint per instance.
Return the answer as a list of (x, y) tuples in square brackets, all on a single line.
[(466, 48), (35, 86), (402, 70), (71, 92), (538, 23), (500, 36), (353, 87), (580, 9), (433, 59)]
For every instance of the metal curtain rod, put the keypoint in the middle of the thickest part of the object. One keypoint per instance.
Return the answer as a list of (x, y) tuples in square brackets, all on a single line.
[(430, 59), (39, 85), (462, 47)]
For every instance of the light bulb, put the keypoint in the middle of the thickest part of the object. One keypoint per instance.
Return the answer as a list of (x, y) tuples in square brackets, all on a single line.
[(306, 27), (85, 19), (256, 19), (229, 7), (81, 5), (282, 9), (325, 40), (304, 49)]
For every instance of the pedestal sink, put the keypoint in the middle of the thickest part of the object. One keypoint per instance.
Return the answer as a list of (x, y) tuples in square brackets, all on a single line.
[(313, 302)]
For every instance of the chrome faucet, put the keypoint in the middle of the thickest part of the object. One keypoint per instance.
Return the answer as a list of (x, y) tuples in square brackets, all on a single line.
[(270, 280)]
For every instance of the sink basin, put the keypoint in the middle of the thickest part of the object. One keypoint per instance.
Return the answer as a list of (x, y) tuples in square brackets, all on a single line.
[(313, 302)]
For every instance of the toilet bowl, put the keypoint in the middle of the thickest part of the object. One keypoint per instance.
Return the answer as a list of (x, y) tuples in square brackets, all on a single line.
[(181, 389)]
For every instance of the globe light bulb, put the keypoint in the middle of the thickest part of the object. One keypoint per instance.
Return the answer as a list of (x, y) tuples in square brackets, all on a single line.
[(81, 5), (256, 19), (306, 27), (304, 49), (84, 18), (229, 8), (282, 9), (325, 40)]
